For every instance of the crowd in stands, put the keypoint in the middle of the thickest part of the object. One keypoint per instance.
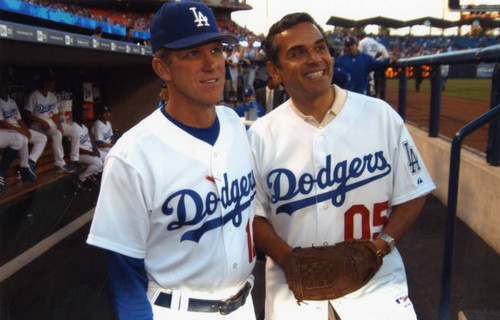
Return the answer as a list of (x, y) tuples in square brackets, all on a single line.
[(140, 22), (406, 46), (402, 46)]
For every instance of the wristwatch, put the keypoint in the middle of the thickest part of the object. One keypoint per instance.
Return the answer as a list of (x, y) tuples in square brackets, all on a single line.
[(391, 243)]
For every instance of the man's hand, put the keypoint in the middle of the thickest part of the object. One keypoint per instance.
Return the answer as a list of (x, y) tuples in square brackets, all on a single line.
[(25, 132), (45, 125)]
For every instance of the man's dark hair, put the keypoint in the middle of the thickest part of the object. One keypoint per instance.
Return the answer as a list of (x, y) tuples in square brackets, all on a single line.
[(286, 23), (98, 30)]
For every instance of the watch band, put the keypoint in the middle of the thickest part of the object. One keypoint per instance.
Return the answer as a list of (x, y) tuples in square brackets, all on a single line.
[(391, 243)]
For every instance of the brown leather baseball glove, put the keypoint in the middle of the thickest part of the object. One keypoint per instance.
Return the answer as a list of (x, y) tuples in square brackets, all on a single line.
[(330, 272)]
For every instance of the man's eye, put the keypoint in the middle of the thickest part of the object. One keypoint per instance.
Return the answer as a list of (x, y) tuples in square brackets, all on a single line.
[(217, 50), (321, 48), (296, 53)]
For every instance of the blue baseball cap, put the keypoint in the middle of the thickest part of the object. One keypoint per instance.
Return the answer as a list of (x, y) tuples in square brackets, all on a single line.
[(184, 24), (349, 41), (248, 91)]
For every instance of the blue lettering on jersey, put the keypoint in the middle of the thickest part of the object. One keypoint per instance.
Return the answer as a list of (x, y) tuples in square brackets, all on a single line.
[(413, 163), (239, 193), (285, 186), (41, 108), (7, 114), (84, 138)]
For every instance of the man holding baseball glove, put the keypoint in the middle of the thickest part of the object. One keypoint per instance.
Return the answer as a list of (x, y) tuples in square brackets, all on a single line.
[(339, 182)]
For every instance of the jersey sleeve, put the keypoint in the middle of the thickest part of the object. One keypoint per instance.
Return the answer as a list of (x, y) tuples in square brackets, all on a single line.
[(262, 206), (121, 219), (128, 285), (411, 178)]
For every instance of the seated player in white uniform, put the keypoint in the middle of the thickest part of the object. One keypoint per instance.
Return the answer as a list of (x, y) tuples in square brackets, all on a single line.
[(102, 131), (89, 154), (42, 111), (10, 119), (176, 203), (331, 165)]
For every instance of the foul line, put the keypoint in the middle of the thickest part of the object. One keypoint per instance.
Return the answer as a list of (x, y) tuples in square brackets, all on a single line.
[(40, 248)]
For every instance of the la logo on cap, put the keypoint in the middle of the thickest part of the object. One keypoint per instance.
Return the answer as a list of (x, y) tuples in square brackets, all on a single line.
[(200, 19)]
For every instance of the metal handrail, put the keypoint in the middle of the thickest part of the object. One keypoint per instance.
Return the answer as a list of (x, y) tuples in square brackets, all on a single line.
[(478, 55), (452, 205), (491, 53)]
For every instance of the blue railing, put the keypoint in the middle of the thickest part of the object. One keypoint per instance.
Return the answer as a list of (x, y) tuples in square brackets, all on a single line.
[(449, 240), (488, 54)]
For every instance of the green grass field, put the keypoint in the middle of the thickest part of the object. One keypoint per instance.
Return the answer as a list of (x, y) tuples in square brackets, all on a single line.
[(475, 89)]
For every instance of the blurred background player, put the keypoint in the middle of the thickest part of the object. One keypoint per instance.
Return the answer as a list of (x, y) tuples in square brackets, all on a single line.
[(232, 63), (129, 31), (10, 118), (358, 65), (248, 97), (89, 153), (370, 46), (102, 131), (163, 94), (249, 56), (271, 96), (97, 32), (42, 110)]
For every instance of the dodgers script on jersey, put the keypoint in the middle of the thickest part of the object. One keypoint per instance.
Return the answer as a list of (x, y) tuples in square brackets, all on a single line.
[(191, 202), (42, 106), (322, 186)]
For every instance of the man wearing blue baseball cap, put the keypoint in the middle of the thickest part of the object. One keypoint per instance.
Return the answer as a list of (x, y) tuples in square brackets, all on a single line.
[(248, 97), (359, 65), (175, 209)]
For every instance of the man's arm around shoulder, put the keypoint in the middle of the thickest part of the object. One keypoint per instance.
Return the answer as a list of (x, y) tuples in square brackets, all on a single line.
[(271, 244)]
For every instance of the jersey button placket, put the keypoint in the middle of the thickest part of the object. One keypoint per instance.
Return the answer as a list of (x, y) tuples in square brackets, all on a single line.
[(216, 171), (319, 156)]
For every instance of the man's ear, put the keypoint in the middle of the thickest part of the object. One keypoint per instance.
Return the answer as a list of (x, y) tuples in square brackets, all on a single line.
[(161, 69), (274, 72)]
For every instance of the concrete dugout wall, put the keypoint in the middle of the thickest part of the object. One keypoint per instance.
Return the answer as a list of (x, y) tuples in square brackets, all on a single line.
[(479, 184)]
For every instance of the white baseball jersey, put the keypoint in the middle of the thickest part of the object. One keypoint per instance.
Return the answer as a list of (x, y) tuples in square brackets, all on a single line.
[(383, 52), (321, 186), (369, 46), (83, 131), (182, 205), (102, 131), (41, 106), (9, 111), (9, 138)]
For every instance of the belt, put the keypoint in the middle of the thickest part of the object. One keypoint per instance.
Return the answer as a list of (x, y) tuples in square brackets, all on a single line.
[(197, 305)]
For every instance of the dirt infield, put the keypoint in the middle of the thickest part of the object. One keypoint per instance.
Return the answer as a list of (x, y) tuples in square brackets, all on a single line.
[(455, 113)]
